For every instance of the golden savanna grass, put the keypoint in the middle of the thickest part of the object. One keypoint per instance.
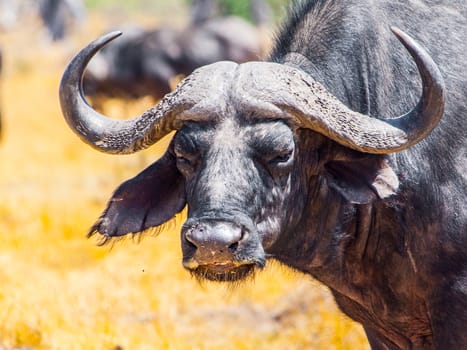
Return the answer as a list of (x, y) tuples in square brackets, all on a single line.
[(59, 291)]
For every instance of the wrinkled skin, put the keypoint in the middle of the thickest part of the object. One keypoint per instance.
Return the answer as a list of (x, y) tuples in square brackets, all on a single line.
[(386, 232)]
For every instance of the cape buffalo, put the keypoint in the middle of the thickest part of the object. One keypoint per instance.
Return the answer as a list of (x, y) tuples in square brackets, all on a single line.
[(343, 157)]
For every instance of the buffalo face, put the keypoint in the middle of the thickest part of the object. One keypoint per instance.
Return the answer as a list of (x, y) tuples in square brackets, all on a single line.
[(237, 174), (234, 175)]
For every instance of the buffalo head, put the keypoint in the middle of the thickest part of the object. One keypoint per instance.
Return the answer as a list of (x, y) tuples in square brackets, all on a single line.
[(251, 139)]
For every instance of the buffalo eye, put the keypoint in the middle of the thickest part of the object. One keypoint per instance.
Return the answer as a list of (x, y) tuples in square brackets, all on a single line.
[(282, 158), (186, 157), (185, 161), (279, 164)]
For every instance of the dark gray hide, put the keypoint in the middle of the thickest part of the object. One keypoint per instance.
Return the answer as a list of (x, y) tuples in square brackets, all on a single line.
[(303, 160)]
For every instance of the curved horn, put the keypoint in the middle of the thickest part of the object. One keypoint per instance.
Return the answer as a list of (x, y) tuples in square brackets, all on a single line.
[(313, 107), (419, 122), (129, 136)]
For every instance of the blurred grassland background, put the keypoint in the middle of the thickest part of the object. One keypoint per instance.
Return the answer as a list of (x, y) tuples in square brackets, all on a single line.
[(60, 291), (238, 7)]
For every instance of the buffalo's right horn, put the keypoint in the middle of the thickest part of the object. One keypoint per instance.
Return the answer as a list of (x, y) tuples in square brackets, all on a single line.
[(129, 136), (293, 91)]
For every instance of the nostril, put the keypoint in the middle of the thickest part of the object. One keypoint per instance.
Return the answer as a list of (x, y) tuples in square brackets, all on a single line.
[(189, 240), (191, 245), (233, 247), (214, 239)]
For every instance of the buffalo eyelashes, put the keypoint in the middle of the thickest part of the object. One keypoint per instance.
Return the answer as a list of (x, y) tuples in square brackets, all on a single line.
[(183, 159)]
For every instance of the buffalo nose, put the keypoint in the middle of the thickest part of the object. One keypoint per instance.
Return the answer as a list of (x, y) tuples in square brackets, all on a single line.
[(214, 242)]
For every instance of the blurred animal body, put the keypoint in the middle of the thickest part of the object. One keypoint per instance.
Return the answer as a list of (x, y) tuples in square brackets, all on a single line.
[(57, 15), (144, 62), (343, 157)]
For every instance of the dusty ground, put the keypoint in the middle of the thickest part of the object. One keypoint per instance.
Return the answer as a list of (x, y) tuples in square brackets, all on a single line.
[(58, 290)]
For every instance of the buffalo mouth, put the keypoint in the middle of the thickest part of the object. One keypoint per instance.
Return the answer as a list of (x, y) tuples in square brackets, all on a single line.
[(223, 272)]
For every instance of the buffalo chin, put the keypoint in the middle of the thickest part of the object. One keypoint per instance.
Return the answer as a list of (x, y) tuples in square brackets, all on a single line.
[(224, 272)]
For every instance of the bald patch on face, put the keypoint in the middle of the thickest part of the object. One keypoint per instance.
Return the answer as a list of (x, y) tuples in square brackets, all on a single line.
[(227, 171), (228, 134)]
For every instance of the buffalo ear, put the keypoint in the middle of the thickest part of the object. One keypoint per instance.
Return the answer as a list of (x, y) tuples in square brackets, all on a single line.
[(148, 200), (361, 181)]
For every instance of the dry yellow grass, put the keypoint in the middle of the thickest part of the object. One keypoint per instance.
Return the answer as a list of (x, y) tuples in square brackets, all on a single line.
[(58, 290)]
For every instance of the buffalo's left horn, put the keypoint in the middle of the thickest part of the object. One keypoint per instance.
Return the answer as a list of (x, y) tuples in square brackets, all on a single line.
[(294, 91), (128, 136)]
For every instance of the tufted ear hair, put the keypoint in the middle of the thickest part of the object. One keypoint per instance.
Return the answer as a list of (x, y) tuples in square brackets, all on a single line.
[(148, 200), (363, 179)]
